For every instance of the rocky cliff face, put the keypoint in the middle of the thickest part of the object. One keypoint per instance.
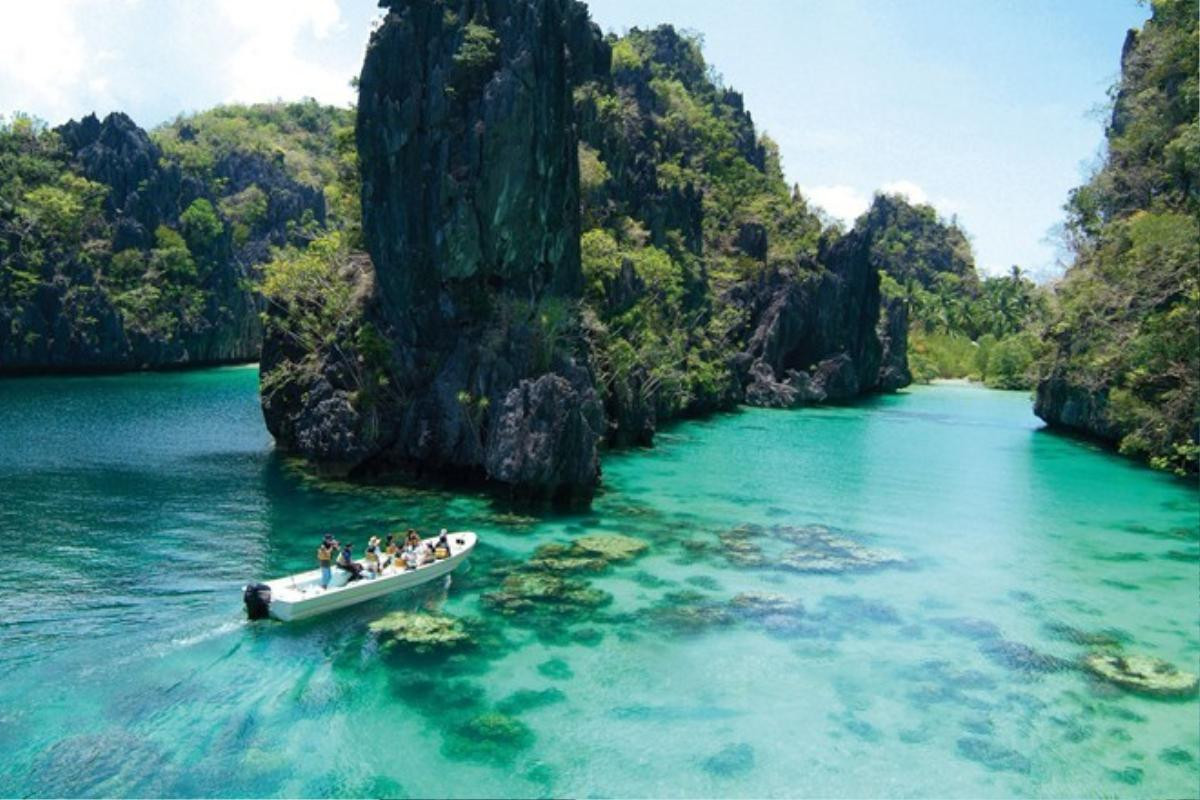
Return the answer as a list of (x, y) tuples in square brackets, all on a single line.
[(1123, 361), (1072, 405), (470, 198), (487, 347), (815, 330), (76, 319)]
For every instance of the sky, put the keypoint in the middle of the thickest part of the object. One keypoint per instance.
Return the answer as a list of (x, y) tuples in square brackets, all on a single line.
[(990, 110)]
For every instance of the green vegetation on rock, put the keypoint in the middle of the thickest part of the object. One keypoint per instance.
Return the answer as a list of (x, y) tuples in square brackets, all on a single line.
[(957, 320), (121, 249), (1125, 354)]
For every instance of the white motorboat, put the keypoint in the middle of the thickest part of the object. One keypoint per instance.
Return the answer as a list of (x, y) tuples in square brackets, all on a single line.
[(300, 596)]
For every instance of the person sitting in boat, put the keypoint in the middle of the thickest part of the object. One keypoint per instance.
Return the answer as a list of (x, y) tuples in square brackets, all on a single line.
[(325, 552), (372, 558), (413, 554), (441, 548), (346, 562), (391, 547)]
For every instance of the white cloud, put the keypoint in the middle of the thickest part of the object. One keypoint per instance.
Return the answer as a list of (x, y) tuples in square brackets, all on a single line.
[(270, 56), (913, 192), (840, 201), (44, 57), (66, 58), (846, 203)]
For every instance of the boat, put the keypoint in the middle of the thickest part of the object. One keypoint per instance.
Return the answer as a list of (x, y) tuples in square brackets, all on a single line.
[(300, 596)]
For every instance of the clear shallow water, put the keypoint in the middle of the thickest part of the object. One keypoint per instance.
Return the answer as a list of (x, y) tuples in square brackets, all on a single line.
[(135, 507)]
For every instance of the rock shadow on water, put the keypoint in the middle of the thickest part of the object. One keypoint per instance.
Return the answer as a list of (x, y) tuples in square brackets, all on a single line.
[(731, 761)]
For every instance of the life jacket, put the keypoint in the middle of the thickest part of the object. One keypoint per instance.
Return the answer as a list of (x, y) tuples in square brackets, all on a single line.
[(324, 554)]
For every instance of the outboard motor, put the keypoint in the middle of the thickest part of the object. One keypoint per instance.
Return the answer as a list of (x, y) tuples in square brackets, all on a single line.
[(257, 597)]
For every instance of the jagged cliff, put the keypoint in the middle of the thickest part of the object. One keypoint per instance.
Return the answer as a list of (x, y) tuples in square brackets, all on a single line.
[(710, 281), (470, 199), (116, 256), (568, 241)]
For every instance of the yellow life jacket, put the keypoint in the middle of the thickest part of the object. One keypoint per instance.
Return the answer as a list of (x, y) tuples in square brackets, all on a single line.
[(324, 554)]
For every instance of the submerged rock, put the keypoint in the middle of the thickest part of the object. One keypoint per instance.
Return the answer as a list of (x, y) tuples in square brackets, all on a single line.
[(421, 633), (611, 547), (529, 699), (1142, 674), (689, 612), (761, 604), (778, 615), (556, 669), (943, 673), (851, 610), (811, 548), (730, 761), (1023, 658), (1130, 775), (563, 558), (527, 591), (969, 627), (1177, 756), (706, 582), (491, 737), (1067, 633), (993, 756)]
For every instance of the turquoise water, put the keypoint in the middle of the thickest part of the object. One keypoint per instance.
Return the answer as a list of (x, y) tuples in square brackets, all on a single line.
[(135, 507)]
